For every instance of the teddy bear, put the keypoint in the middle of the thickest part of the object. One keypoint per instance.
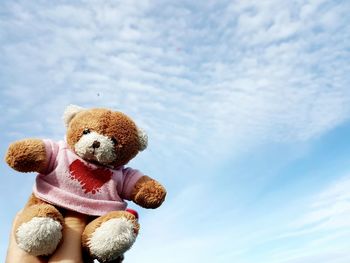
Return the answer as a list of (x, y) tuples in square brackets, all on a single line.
[(85, 173)]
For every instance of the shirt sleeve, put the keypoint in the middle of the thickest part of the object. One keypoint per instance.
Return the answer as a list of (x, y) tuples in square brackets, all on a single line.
[(130, 178), (51, 149)]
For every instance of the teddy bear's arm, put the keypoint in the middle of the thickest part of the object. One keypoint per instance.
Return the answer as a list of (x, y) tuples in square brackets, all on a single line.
[(148, 193), (27, 155)]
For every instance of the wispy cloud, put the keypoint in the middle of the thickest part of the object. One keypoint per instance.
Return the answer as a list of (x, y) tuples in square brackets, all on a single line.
[(322, 232), (221, 72), (319, 232), (206, 80), (331, 208)]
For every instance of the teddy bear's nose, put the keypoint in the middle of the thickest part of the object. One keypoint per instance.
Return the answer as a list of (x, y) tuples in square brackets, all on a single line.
[(95, 144)]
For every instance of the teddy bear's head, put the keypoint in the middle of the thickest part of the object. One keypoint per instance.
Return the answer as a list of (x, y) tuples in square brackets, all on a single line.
[(103, 136)]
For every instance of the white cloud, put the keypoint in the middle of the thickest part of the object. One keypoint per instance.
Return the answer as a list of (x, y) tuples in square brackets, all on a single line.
[(322, 232), (317, 231), (330, 210), (253, 70), (205, 79)]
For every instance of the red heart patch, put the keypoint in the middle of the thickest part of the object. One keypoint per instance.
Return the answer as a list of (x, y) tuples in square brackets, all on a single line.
[(91, 180)]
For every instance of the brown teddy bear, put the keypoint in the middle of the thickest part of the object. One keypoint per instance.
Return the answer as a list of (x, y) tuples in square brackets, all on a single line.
[(85, 173)]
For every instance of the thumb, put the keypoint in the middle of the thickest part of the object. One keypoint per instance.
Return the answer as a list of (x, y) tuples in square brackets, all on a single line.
[(70, 249)]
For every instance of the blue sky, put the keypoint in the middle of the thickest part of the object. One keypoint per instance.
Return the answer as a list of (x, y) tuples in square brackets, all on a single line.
[(246, 104)]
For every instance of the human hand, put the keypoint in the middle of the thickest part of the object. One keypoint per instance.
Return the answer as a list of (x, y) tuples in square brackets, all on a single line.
[(68, 252)]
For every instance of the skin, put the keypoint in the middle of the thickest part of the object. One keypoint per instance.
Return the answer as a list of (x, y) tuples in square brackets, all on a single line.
[(68, 252), (29, 156)]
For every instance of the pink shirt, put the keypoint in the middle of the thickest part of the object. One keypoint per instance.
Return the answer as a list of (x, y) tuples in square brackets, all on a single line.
[(75, 184)]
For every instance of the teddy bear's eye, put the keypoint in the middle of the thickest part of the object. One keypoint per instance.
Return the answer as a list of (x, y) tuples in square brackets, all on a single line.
[(86, 131), (114, 140)]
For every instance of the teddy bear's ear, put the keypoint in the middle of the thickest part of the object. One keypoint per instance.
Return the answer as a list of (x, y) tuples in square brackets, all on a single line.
[(70, 112), (143, 139)]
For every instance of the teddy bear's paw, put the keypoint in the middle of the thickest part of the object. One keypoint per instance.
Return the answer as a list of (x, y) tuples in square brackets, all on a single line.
[(148, 193), (111, 239), (39, 236)]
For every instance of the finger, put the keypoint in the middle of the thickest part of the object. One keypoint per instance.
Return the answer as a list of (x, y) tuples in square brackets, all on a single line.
[(70, 249), (16, 254)]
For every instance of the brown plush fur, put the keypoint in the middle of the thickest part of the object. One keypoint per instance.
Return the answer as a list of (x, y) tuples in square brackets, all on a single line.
[(27, 156), (38, 208), (33, 200), (148, 193), (111, 124)]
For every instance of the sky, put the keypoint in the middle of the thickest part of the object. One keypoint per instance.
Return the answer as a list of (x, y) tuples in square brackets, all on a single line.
[(246, 105)]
